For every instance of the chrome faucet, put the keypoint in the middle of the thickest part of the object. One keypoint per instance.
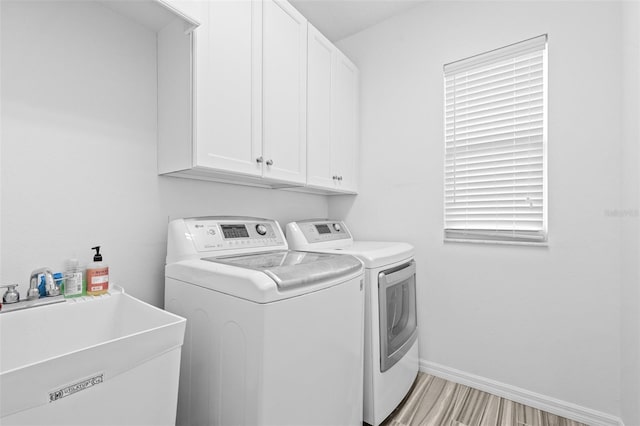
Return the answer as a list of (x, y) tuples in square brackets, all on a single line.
[(50, 285), (13, 301)]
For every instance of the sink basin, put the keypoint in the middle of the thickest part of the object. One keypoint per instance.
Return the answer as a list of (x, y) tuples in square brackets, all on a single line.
[(111, 359)]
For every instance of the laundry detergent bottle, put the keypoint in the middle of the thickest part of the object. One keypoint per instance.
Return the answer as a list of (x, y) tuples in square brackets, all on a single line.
[(97, 275)]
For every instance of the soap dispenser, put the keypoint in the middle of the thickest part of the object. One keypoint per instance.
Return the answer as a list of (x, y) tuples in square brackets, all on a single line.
[(74, 284), (97, 275)]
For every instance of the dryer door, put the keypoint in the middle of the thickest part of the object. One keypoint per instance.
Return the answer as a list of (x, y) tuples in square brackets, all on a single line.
[(397, 308)]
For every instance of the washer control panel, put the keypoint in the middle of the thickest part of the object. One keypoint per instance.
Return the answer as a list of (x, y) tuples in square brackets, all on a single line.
[(318, 231), (221, 233)]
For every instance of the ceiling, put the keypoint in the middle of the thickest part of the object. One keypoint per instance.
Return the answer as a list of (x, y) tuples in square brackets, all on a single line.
[(337, 19)]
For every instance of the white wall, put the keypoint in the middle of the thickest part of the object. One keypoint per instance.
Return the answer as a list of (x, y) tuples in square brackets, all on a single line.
[(79, 150), (1, 143), (543, 319), (630, 290)]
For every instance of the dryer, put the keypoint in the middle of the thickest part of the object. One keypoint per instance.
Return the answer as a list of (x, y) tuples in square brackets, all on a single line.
[(274, 337), (391, 360)]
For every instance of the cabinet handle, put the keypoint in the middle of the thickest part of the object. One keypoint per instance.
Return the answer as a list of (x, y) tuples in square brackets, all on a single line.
[(339, 177), (335, 177), (269, 162), (259, 159)]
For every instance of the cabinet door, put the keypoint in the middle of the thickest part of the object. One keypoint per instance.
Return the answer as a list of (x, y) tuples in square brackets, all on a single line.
[(228, 88), (344, 123), (319, 69), (284, 82)]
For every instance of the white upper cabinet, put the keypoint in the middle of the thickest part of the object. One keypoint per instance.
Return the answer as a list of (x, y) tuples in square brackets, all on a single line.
[(254, 95), (344, 123), (227, 87), (320, 63), (246, 82), (332, 117), (284, 92)]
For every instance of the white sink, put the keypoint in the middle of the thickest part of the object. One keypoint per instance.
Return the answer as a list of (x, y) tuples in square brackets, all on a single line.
[(106, 360)]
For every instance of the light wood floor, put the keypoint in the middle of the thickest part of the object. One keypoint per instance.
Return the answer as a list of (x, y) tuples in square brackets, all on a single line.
[(437, 402)]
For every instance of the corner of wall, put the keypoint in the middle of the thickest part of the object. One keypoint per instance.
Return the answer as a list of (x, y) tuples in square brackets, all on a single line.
[(630, 229)]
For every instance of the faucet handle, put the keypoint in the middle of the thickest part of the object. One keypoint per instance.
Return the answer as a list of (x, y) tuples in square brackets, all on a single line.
[(11, 295)]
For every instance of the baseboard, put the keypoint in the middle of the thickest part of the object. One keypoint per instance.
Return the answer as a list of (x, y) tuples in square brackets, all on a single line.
[(523, 396)]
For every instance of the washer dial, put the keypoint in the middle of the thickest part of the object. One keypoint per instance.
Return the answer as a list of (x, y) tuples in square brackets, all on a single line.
[(261, 229)]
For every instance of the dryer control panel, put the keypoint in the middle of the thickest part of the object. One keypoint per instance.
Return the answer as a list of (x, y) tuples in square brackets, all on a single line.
[(319, 231)]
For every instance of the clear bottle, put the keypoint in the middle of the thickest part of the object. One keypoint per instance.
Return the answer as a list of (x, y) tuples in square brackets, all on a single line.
[(97, 275), (74, 284)]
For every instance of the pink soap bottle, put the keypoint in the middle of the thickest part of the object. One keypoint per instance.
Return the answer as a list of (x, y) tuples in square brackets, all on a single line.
[(97, 275)]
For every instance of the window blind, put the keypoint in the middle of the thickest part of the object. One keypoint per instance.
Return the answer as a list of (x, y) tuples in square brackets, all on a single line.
[(495, 145)]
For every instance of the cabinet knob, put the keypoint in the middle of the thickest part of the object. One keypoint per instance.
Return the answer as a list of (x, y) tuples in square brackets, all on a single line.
[(269, 162), (335, 177), (259, 159), (339, 177)]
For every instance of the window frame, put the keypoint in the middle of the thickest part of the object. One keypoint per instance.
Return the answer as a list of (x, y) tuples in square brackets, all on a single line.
[(513, 236)]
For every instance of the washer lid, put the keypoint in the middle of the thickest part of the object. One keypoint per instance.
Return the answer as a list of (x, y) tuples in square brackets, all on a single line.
[(295, 268)]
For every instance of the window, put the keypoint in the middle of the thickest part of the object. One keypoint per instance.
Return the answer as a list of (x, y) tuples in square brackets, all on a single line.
[(495, 145)]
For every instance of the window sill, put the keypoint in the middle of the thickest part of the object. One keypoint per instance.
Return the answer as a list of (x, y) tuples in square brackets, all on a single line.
[(498, 242)]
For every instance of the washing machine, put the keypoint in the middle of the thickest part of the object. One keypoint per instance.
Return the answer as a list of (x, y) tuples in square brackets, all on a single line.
[(391, 360), (274, 337)]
